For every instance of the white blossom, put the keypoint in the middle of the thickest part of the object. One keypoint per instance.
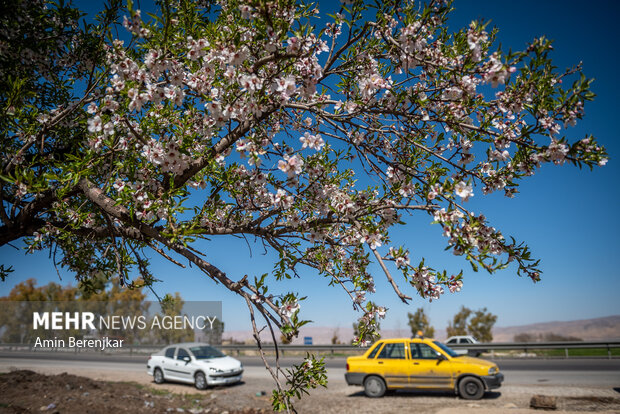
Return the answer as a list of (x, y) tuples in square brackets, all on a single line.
[(463, 190)]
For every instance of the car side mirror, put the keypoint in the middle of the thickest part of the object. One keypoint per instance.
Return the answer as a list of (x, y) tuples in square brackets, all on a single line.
[(187, 359), (441, 357)]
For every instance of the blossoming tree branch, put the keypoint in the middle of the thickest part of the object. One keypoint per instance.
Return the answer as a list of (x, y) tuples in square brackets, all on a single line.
[(133, 136)]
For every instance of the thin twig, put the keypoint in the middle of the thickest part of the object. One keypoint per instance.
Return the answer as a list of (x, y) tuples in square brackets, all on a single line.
[(260, 346), (401, 295), (162, 253)]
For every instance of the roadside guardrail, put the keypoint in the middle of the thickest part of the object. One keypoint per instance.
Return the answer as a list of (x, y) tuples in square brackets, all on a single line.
[(526, 347)]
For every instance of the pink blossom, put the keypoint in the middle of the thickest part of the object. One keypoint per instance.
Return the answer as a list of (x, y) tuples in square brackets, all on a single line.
[(289, 308), (246, 11), (286, 86), (291, 165), (293, 45), (312, 141), (95, 124), (557, 151), (497, 73)]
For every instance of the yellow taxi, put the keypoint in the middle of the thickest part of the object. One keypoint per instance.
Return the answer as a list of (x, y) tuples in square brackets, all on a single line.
[(421, 363)]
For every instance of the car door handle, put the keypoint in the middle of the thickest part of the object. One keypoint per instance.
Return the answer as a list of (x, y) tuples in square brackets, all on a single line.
[(416, 363), (380, 362)]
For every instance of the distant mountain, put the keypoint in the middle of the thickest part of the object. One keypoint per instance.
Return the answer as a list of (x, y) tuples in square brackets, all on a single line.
[(606, 328)]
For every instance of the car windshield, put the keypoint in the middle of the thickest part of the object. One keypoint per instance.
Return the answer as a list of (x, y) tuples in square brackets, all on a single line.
[(445, 348), (206, 352)]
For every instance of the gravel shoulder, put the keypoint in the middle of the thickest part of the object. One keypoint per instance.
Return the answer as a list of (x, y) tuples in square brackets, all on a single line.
[(102, 392)]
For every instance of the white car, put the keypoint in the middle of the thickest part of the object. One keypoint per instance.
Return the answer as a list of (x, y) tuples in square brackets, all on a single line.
[(194, 363), (464, 340)]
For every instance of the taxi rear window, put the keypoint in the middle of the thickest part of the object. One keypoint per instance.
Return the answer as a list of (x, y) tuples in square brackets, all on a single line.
[(393, 351), (374, 351)]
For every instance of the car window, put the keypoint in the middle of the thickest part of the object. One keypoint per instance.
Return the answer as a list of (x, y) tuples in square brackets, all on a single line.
[(464, 341), (426, 352), (374, 351), (206, 352), (182, 353), (413, 348), (446, 349), (451, 341), (393, 351), (170, 352)]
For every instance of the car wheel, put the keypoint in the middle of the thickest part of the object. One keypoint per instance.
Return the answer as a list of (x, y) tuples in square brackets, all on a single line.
[(200, 381), (374, 387), (471, 388), (158, 376)]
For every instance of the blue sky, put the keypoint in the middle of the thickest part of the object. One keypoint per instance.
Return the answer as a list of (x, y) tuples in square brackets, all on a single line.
[(569, 217)]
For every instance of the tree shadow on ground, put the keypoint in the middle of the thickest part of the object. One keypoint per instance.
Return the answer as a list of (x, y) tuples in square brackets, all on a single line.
[(210, 388), (226, 386), (489, 395)]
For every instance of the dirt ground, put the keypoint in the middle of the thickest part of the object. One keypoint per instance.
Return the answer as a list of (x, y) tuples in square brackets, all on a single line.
[(24, 391), (29, 392)]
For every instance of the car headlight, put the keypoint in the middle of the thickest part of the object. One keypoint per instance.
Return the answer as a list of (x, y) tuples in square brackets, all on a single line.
[(492, 370), (214, 370)]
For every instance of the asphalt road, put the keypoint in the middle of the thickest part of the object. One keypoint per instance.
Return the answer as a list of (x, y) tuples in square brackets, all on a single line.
[(505, 364), (558, 372)]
